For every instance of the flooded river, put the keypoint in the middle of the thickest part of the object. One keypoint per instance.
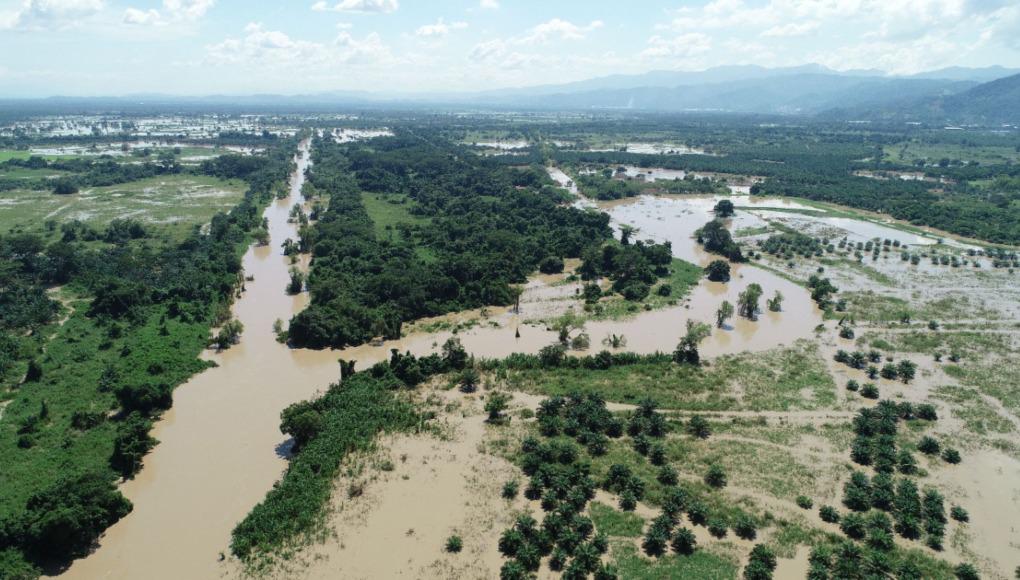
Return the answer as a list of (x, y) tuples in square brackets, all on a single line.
[(220, 446)]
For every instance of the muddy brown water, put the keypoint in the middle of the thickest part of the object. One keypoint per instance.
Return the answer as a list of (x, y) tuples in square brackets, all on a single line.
[(220, 446)]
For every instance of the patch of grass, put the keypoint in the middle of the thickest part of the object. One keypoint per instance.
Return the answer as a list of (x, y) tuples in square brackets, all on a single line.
[(6, 154), (173, 204), (682, 277), (977, 415), (613, 522), (794, 377), (702, 564), (388, 210)]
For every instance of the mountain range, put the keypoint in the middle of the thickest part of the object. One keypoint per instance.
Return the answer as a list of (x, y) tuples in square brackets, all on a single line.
[(955, 95)]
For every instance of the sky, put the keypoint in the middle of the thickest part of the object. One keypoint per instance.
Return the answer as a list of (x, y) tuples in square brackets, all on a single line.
[(205, 47)]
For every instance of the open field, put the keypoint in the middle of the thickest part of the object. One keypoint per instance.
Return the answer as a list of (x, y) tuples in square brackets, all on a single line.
[(173, 204)]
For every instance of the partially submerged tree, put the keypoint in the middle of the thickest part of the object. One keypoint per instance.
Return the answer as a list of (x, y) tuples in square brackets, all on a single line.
[(725, 311), (747, 301)]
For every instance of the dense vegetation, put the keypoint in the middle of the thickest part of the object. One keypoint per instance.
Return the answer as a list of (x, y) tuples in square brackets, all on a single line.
[(488, 226), (83, 391), (609, 184)]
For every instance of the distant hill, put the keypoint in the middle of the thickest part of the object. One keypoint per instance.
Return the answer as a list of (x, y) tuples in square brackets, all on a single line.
[(804, 93), (992, 103), (954, 94)]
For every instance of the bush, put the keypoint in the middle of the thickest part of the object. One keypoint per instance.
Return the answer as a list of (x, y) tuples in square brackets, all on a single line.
[(684, 542), (667, 475), (454, 544), (869, 391), (551, 265), (927, 412), (959, 514), (829, 514), (698, 426), (510, 489), (804, 502), (744, 527), (951, 455), (966, 572), (718, 528), (716, 476), (761, 564), (928, 445), (852, 385)]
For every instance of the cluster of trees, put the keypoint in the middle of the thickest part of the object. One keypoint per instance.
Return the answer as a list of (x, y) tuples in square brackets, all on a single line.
[(609, 185), (488, 226), (149, 312), (86, 172), (790, 244), (632, 267), (874, 445), (564, 486), (716, 239), (904, 370)]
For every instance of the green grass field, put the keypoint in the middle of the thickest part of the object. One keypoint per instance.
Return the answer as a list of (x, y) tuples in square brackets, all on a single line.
[(909, 152), (776, 380), (170, 203), (387, 211)]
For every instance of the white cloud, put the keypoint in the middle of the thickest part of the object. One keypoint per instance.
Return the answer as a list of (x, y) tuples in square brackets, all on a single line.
[(488, 51), (900, 57), (489, 4), (173, 11), (50, 14), (791, 29), (439, 29), (558, 29), (382, 6), (682, 46), (274, 49)]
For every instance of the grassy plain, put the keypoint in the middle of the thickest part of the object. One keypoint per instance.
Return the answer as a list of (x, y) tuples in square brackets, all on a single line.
[(172, 203)]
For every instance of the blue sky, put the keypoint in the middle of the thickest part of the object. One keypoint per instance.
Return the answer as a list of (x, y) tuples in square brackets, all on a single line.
[(113, 47)]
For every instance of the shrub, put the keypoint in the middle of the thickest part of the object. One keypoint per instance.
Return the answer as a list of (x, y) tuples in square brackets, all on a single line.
[(744, 527), (829, 514), (869, 391), (684, 542), (852, 385), (959, 514), (667, 475), (928, 445), (951, 455), (718, 528), (761, 564), (454, 544), (698, 426), (966, 572), (510, 489), (716, 476), (804, 502)]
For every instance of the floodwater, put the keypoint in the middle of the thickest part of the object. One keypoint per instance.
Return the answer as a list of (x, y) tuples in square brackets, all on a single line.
[(674, 219), (220, 446)]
